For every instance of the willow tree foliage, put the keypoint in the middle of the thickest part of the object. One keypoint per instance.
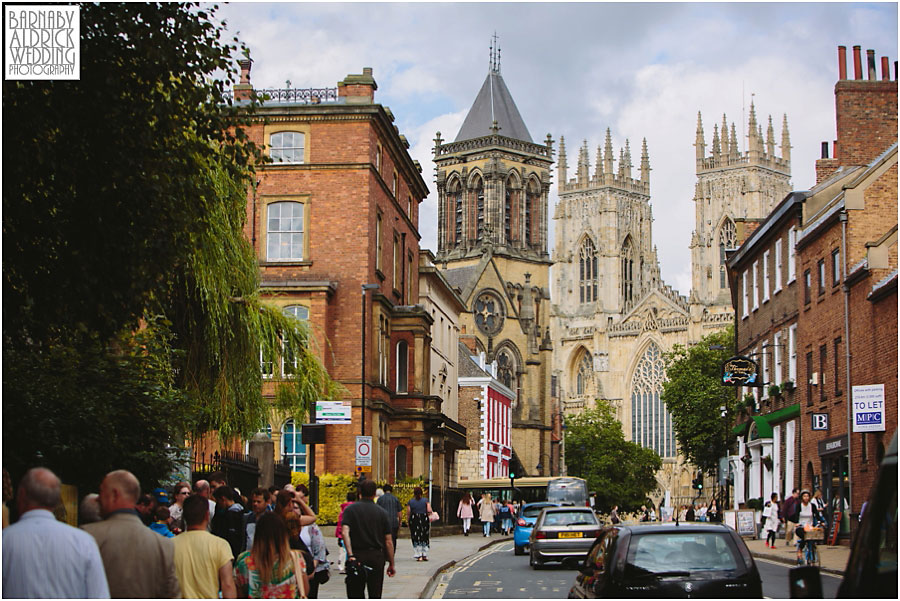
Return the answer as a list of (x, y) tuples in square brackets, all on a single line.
[(694, 395), (131, 314), (621, 472)]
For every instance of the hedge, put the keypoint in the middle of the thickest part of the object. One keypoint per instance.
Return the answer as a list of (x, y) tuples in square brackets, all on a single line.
[(333, 489)]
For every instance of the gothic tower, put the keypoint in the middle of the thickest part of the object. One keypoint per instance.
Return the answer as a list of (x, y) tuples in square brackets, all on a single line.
[(733, 186), (493, 183)]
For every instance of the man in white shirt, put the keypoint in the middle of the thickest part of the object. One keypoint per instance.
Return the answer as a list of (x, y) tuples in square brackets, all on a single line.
[(46, 558)]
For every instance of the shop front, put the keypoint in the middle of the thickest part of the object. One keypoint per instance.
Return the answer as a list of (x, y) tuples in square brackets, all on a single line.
[(832, 479)]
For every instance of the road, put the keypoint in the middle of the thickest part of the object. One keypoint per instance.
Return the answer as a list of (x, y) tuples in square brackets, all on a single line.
[(496, 573)]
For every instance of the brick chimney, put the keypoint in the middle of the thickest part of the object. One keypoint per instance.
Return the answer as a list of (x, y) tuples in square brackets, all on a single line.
[(243, 90), (358, 89)]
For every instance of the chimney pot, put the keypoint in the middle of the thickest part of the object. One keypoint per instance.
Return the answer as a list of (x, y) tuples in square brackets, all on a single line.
[(367, 70), (870, 64), (842, 62), (857, 63), (885, 69)]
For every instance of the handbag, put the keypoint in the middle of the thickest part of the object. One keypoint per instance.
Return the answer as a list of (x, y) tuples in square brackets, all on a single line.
[(433, 516), (297, 572)]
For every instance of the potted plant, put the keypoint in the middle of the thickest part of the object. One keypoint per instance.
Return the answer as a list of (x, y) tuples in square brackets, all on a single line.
[(787, 385), (774, 391), (767, 461), (750, 401)]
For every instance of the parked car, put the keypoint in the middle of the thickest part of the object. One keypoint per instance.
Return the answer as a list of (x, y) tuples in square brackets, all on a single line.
[(668, 560), (528, 514), (561, 534), (872, 569)]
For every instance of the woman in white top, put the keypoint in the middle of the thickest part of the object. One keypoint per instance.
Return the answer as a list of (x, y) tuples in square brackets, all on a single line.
[(771, 520), (809, 516), (701, 513)]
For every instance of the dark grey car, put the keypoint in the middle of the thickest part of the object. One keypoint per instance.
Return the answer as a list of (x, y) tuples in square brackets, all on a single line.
[(562, 533)]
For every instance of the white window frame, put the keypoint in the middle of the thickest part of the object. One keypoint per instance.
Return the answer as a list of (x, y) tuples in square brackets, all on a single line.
[(765, 368), (778, 355), (754, 284), (792, 357), (291, 154), (297, 312), (792, 255), (379, 226), (778, 270), (746, 294), (298, 442), (274, 237), (766, 276), (266, 374)]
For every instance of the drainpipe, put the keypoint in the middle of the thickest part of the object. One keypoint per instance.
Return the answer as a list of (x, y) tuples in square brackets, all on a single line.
[(849, 388), (430, 463)]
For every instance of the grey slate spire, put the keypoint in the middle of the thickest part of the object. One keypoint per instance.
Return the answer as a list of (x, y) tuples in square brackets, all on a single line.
[(493, 103)]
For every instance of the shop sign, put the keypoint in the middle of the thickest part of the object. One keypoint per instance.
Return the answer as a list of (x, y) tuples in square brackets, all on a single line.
[(740, 371), (820, 421), (838, 444), (868, 408), (332, 412)]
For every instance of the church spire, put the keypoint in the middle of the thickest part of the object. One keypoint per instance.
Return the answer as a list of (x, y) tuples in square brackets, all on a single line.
[(583, 165), (770, 139), (716, 145), (700, 141), (608, 154), (598, 170), (724, 131), (785, 141), (735, 148), (645, 163), (628, 164), (495, 55), (561, 166)]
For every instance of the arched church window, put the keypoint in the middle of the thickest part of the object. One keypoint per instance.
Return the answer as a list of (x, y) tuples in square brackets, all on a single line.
[(479, 207), (509, 206), (651, 424), (627, 272), (587, 272), (506, 368), (585, 373), (727, 239), (531, 209), (456, 197)]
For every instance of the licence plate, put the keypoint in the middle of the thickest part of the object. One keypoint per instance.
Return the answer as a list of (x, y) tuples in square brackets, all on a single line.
[(570, 535)]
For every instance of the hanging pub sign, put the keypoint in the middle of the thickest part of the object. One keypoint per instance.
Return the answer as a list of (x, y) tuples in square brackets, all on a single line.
[(740, 371)]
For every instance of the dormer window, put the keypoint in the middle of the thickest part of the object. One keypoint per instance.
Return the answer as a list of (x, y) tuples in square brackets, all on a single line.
[(286, 147)]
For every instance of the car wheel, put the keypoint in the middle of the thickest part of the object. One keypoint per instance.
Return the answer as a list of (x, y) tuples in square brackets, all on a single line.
[(534, 563), (519, 550)]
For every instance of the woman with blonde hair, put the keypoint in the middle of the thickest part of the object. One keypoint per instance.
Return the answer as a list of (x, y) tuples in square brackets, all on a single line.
[(486, 513), (271, 569)]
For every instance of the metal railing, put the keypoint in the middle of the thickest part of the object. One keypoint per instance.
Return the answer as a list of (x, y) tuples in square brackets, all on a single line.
[(293, 95)]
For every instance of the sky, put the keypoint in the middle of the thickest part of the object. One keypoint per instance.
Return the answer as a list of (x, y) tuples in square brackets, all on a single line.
[(643, 70)]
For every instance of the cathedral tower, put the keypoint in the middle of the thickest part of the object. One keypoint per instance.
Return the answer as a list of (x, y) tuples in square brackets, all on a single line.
[(493, 183), (732, 186)]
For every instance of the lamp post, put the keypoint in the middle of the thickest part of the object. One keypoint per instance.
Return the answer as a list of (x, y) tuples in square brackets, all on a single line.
[(362, 383)]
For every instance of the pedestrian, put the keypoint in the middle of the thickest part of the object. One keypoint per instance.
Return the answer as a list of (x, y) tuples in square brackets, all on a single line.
[(271, 569), (486, 513), (819, 502), (89, 509), (259, 505), (228, 520), (465, 513), (789, 513), (315, 542), (394, 509), (367, 536), (7, 496), (645, 514), (216, 479), (146, 508), (46, 558), (201, 487), (713, 512), (338, 532), (378, 494), (614, 515), (176, 522), (505, 519), (682, 514), (417, 516), (273, 491), (808, 516), (138, 562), (652, 516), (161, 523), (690, 515), (202, 560), (701, 513), (771, 520)]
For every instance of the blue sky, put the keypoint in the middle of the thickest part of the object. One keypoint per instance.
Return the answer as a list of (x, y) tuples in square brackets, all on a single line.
[(575, 69)]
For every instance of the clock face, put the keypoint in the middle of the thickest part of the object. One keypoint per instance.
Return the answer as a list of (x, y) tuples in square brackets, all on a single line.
[(488, 311)]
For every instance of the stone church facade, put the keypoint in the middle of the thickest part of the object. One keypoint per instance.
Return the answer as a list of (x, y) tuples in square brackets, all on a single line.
[(612, 315), (492, 184)]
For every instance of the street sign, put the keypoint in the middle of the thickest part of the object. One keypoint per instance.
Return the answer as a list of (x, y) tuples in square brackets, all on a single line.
[(363, 451), (332, 412)]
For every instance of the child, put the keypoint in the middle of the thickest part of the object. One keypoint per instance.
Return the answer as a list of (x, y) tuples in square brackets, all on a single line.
[(161, 525), (771, 520)]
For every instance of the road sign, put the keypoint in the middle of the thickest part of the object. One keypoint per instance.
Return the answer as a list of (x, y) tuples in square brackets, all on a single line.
[(332, 412), (363, 450)]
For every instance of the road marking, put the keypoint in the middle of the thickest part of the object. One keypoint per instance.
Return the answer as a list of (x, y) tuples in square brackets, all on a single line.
[(461, 566)]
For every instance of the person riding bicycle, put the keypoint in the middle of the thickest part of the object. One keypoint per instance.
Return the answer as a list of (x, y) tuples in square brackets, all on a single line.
[(809, 516)]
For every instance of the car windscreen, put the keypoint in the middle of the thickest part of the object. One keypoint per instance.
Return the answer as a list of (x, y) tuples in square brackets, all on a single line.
[(533, 511), (569, 518), (657, 553), (571, 491)]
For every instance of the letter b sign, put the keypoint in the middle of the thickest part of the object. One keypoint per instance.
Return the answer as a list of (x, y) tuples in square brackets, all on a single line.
[(820, 421)]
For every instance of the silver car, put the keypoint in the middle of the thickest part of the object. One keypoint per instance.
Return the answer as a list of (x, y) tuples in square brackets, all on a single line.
[(562, 533)]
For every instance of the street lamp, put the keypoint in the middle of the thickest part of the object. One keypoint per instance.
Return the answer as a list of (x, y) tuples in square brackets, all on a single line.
[(362, 383)]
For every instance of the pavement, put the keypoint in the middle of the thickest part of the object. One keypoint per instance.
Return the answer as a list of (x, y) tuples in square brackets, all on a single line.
[(413, 578)]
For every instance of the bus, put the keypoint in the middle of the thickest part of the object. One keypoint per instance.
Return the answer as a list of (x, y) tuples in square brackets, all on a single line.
[(555, 489)]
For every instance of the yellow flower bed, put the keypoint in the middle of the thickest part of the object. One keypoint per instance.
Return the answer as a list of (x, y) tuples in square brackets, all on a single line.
[(333, 489)]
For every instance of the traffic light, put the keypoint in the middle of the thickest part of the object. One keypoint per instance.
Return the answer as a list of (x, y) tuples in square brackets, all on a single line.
[(697, 483)]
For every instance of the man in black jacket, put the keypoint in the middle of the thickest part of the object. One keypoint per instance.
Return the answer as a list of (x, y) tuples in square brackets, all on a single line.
[(229, 521)]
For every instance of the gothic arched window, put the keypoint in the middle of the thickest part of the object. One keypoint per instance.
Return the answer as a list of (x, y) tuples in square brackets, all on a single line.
[(506, 368), (651, 424), (479, 208), (584, 375), (456, 197), (587, 272), (727, 239), (627, 272)]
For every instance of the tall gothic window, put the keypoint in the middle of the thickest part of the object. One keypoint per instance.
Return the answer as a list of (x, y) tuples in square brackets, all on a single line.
[(585, 373), (507, 212), (479, 207), (587, 272), (456, 196), (531, 208), (727, 239), (651, 424), (627, 272), (506, 368)]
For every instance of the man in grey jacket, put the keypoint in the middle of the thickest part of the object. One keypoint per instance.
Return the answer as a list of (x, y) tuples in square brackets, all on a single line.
[(138, 561), (394, 509)]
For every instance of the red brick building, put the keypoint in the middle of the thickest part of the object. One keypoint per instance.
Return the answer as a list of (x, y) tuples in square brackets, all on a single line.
[(847, 293), (334, 222)]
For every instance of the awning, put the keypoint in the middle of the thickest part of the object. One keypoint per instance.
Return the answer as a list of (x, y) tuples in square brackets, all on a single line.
[(765, 422)]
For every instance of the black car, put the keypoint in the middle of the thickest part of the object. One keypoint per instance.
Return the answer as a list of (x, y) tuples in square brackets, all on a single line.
[(695, 560)]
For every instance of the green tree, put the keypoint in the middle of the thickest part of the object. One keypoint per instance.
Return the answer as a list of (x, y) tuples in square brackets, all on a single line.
[(623, 473), (694, 396), (132, 317)]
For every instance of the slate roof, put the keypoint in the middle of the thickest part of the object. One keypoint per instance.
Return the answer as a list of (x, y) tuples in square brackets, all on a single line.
[(460, 277), (467, 367), (493, 103)]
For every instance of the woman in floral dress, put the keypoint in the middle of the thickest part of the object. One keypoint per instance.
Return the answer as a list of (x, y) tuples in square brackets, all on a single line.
[(271, 570)]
